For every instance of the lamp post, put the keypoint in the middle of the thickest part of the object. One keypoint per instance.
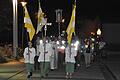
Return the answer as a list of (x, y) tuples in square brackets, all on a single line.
[(15, 28)]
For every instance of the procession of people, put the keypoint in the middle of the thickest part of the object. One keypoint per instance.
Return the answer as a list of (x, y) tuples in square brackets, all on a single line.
[(50, 54), (47, 52)]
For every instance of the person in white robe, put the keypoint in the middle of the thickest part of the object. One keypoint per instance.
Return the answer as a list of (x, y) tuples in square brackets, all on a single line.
[(29, 54)]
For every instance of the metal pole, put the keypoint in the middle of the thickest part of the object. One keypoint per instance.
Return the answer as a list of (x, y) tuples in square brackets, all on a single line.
[(22, 36), (15, 29), (58, 19), (23, 5), (59, 29), (23, 30), (45, 28)]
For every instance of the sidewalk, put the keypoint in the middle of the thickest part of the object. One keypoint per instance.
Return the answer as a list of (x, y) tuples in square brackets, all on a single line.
[(10, 68)]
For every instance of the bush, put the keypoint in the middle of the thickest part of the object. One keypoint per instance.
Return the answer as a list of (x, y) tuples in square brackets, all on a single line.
[(2, 59)]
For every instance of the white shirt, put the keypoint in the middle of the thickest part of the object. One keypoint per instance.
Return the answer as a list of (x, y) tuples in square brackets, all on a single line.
[(73, 53), (48, 52), (101, 45), (29, 55)]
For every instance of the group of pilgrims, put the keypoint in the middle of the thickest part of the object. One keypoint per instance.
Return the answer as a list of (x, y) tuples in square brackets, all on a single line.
[(45, 56)]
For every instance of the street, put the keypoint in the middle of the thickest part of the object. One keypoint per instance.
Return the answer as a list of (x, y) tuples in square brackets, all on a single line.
[(108, 69)]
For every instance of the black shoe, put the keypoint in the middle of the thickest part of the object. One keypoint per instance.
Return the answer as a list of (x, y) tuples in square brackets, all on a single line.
[(87, 66), (46, 74), (51, 69), (28, 76), (42, 76), (30, 73)]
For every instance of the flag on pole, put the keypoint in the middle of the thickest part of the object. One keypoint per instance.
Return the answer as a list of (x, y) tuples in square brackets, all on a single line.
[(41, 20), (71, 27), (28, 24)]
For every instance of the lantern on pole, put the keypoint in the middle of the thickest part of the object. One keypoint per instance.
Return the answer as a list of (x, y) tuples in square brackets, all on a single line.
[(58, 18)]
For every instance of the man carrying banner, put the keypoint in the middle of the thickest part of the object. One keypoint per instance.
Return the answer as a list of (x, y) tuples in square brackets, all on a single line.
[(29, 54), (70, 54)]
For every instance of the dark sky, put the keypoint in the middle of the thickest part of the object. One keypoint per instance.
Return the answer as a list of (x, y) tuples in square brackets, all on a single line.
[(107, 10)]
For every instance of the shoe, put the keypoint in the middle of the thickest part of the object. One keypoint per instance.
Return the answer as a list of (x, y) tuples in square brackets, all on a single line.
[(51, 69), (70, 77), (30, 73), (87, 66), (42, 76), (66, 76), (28, 76), (46, 74)]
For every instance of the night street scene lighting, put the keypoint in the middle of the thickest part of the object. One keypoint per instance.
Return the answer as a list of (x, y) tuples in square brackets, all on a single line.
[(73, 39)]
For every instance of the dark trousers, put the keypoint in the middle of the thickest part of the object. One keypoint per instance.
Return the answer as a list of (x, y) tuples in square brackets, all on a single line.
[(36, 64)]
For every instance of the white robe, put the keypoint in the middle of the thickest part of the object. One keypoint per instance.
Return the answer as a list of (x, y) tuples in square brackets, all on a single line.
[(73, 53), (54, 56), (29, 55), (47, 53)]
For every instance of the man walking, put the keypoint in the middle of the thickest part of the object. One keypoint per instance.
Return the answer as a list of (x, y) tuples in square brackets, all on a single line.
[(45, 50), (54, 56), (29, 54)]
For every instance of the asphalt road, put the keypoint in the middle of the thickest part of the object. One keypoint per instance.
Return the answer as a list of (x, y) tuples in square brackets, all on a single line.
[(108, 69)]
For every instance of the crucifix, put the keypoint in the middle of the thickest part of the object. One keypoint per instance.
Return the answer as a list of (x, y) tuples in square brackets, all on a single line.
[(46, 24), (45, 28)]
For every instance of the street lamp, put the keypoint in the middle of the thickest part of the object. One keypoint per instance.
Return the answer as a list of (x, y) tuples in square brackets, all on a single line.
[(99, 32), (15, 28), (63, 20)]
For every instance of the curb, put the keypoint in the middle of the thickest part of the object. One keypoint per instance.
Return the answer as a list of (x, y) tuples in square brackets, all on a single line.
[(15, 74)]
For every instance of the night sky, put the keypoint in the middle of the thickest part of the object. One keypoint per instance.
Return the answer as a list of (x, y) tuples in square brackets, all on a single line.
[(108, 12)]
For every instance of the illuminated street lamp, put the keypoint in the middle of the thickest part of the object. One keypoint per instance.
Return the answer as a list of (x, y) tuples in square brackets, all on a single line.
[(63, 20), (99, 32)]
